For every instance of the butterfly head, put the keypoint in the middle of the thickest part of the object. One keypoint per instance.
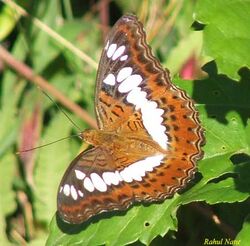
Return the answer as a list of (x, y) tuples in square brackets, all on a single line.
[(90, 136)]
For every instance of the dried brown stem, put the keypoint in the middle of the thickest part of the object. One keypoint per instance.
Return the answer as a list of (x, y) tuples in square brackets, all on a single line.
[(28, 74), (104, 17), (27, 211)]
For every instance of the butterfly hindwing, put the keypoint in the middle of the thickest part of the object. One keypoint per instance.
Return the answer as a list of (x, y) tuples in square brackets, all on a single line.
[(91, 186)]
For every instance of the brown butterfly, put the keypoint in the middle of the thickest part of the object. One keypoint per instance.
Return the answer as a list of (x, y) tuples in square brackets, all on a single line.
[(149, 136)]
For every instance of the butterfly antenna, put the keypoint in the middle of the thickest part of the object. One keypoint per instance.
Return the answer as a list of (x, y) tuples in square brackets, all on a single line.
[(52, 100), (41, 146)]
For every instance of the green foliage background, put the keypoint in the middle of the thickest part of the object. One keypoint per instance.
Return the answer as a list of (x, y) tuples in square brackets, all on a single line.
[(216, 32)]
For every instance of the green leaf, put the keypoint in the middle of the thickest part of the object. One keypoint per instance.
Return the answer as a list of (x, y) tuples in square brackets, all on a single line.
[(46, 12), (148, 221), (3, 238), (7, 199), (8, 107), (8, 20), (7, 170), (224, 106), (226, 33), (39, 240), (244, 236)]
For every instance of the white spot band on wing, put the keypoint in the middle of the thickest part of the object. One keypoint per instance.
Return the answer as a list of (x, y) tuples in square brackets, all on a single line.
[(118, 52), (111, 50)]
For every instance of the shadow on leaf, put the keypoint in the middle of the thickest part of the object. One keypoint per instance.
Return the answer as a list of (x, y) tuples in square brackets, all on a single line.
[(221, 94)]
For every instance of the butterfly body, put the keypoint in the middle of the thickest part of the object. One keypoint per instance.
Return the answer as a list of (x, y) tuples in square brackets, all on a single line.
[(149, 137), (129, 146)]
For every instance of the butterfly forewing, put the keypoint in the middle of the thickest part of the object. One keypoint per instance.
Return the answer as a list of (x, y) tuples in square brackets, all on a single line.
[(119, 59), (150, 138)]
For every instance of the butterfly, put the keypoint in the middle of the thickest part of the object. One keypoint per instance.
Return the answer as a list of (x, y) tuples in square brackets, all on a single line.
[(149, 135)]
